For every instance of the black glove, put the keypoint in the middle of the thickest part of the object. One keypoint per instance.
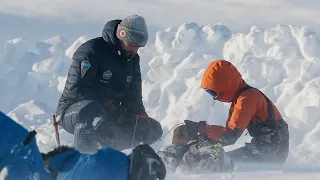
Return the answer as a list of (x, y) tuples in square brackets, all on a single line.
[(193, 130)]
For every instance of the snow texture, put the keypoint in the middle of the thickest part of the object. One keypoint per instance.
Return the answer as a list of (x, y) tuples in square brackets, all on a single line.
[(282, 61)]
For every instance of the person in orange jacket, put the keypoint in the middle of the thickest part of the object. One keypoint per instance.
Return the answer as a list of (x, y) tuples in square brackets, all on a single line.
[(250, 109)]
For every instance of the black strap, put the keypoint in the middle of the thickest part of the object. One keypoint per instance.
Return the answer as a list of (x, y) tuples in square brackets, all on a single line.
[(271, 121), (30, 136)]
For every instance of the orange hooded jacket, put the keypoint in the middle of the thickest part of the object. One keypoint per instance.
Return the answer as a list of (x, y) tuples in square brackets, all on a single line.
[(248, 108)]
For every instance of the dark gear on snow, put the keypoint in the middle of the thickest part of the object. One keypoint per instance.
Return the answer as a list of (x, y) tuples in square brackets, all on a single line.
[(196, 157), (189, 132), (145, 164), (172, 155), (191, 152)]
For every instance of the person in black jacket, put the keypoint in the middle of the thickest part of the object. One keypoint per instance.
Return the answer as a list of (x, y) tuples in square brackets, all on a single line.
[(101, 103)]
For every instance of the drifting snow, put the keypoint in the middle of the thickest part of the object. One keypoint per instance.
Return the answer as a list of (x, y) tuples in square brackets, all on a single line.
[(282, 61)]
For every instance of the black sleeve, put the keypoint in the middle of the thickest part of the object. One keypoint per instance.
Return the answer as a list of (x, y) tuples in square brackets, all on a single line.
[(133, 96), (86, 67), (82, 74)]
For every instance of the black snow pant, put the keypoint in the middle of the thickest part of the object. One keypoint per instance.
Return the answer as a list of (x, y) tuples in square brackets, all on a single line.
[(93, 127), (271, 148)]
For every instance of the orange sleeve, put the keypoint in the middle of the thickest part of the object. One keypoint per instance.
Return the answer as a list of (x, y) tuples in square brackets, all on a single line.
[(243, 111)]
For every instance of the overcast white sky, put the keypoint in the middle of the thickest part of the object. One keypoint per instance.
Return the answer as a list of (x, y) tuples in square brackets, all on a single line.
[(234, 13)]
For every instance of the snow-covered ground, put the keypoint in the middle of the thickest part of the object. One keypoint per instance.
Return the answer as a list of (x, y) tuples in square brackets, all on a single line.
[(282, 61)]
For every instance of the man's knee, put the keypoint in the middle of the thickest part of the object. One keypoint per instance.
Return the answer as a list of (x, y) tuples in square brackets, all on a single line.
[(89, 138), (145, 130), (82, 112), (155, 130)]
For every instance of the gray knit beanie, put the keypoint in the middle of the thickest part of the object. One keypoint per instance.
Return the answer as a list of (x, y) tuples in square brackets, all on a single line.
[(133, 29)]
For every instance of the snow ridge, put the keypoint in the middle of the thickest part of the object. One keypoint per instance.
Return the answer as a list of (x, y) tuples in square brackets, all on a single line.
[(281, 61)]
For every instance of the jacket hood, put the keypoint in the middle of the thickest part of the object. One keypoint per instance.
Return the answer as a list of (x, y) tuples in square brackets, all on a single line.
[(222, 77), (109, 31), (109, 34)]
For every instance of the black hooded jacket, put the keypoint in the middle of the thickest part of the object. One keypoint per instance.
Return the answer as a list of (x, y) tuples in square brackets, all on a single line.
[(101, 70)]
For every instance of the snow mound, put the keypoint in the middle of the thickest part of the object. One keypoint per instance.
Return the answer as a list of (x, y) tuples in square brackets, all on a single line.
[(70, 50), (34, 115), (31, 71), (31, 114), (16, 48), (281, 61)]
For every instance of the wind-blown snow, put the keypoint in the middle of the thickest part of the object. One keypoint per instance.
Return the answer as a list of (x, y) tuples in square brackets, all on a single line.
[(282, 61)]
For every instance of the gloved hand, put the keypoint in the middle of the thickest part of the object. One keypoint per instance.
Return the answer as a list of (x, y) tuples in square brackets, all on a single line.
[(111, 107), (141, 116), (116, 111), (193, 130), (122, 114)]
